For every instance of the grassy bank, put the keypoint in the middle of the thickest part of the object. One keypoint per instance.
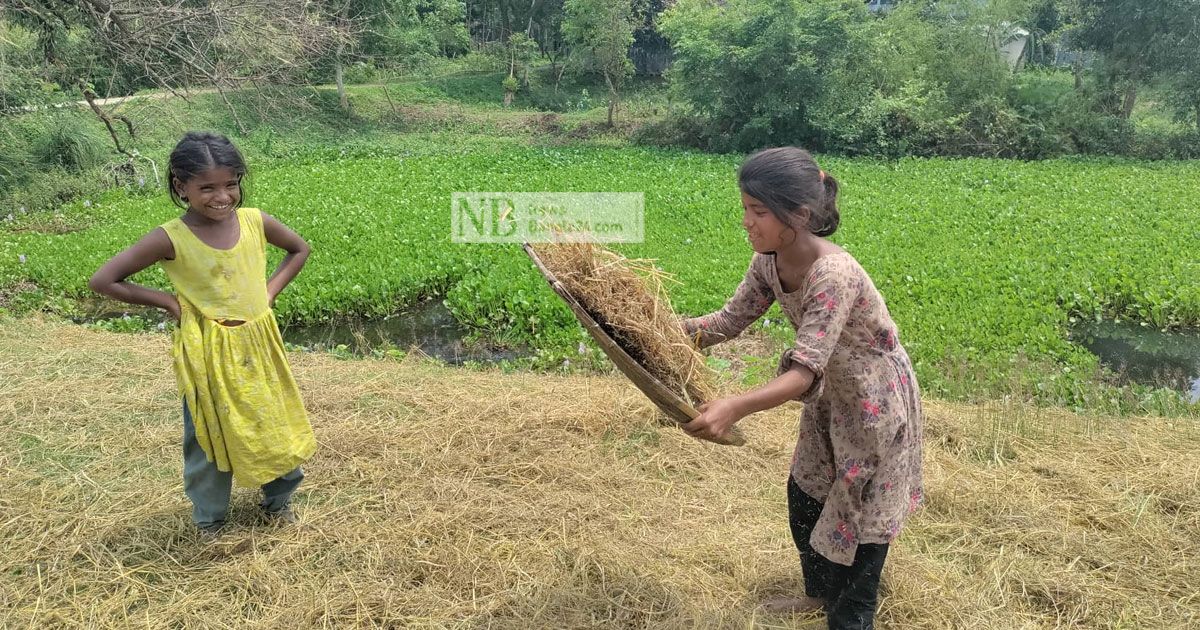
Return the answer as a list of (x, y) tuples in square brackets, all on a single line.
[(986, 264)]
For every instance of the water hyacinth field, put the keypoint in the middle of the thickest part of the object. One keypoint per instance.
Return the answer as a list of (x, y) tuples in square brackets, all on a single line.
[(985, 264)]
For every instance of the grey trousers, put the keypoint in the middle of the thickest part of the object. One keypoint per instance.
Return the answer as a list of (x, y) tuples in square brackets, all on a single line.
[(209, 488)]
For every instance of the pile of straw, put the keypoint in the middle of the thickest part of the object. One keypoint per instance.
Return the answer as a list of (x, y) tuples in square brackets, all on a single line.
[(627, 298), (452, 498)]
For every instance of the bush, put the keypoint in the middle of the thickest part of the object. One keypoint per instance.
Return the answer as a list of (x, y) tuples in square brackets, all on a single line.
[(360, 72), (69, 143), (548, 100), (673, 130), (1161, 141), (50, 189), (19, 83), (754, 70), (14, 167), (925, 79), (48, 158)]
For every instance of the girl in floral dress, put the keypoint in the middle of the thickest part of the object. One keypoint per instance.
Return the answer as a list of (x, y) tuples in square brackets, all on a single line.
[(856, 472)]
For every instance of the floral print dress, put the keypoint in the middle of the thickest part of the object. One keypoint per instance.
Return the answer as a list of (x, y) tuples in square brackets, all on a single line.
[(859, 449)]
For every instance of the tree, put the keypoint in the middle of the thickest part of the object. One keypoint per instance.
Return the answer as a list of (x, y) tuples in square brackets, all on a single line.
[(603, 30), (176, 44), (1138, 40), (1183, 86), (1044, 21), (518, 56), (391, 33), (753, 70), (496, 20), (407, 32), (348, 20)]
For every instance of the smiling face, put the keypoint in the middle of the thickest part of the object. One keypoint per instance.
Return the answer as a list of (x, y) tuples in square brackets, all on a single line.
[(766, 232), (212, 193)]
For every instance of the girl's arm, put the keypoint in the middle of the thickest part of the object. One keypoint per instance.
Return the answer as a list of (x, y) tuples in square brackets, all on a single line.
[(833, 288), (718, 416), (297, 250), (751, 299), (109, 280)]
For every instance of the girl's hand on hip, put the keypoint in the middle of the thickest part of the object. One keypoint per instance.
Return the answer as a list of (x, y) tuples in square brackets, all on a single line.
[(173, 309), (715, 420)]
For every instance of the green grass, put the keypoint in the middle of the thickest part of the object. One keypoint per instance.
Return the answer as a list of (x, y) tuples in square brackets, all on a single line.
[(481, 88), (982, 262)]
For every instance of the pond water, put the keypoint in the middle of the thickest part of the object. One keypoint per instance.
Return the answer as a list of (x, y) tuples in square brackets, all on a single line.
[(1145, 354), (428, 326)]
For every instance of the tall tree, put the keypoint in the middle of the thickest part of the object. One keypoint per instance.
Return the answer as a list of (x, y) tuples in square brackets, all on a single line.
[(1138, 40), (603, 29), (348, 21)]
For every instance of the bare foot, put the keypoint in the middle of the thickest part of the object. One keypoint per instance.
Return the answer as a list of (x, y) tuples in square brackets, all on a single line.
[(787, 604), (210, 533)]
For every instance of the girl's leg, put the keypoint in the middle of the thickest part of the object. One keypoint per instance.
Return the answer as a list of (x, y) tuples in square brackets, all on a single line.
[(803, 512), (851, 605), (277, 493), (207, 487)]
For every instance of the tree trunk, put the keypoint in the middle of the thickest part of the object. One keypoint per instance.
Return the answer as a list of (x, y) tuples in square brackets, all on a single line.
[(339, 79), (389, 100), (508, 98), (343, 100), (532, 8), (613, 97), (1077, 70), (1130, 101), (505, 21), (560, 69)]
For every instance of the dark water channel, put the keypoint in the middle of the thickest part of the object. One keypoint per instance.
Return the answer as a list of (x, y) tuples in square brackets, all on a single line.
[(428, 326), (1145, 355)]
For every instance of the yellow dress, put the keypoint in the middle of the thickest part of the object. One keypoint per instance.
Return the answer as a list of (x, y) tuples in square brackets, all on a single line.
[(245, 404)]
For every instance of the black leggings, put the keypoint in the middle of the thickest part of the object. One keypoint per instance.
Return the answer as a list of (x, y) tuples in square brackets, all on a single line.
[(850, 592)]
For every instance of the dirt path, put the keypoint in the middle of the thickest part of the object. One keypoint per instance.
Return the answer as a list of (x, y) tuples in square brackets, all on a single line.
[(163, 94)]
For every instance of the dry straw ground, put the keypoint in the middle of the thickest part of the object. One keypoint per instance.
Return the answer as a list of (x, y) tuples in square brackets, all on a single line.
[(455, 499)]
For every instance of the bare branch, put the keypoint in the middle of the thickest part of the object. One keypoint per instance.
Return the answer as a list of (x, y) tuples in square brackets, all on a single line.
[(90, 97)]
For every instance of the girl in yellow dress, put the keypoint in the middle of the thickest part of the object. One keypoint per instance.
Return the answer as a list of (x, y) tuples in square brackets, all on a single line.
[(243, 419)]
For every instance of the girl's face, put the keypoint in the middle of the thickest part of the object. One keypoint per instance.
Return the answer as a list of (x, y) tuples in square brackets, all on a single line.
[(214, 193), (766, 232)]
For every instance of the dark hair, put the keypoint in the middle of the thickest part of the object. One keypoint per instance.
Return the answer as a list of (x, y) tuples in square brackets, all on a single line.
[(197, 152), (786, 178)]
